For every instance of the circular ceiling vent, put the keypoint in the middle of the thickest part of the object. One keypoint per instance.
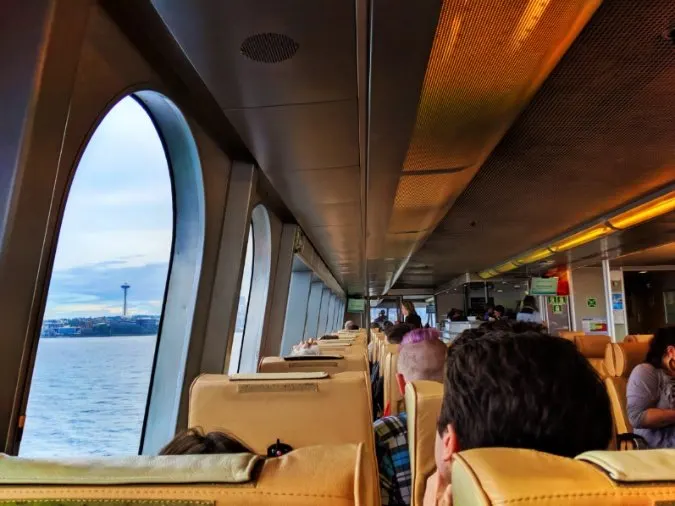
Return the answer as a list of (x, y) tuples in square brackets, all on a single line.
[(269, 47)]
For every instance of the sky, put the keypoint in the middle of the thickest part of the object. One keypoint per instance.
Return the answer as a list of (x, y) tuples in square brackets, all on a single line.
[(118, 222)]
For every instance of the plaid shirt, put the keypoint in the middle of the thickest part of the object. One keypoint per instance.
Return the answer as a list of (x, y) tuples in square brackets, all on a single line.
[(393, 457)]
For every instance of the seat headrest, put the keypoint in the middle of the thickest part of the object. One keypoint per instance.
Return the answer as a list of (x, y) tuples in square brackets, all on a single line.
[(354, 362), (640, 338), (621, 358), (592, 346), (570, 334), (423, 401), (299, 412), (489, 476), (332, 475)]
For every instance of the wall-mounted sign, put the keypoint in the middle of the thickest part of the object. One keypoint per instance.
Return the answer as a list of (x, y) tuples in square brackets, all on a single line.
[(544, 286), (592, 302), (594, 325), (356, 305), (617, 301)]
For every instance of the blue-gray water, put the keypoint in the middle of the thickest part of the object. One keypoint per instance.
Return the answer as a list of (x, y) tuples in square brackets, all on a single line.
[(88, 396)]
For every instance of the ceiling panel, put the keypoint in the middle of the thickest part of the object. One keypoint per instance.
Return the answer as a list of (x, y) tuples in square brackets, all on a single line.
[(212, 32), (312, 136), (597, 135)]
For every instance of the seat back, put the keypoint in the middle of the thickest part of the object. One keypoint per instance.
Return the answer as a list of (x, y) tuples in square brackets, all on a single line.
[(638, 338), (570, 334), (385, 348), (620, 360), (423, 401), (331, 475), (488, 476), (593, 348), (304, 411), (392, 394), (356, 363)]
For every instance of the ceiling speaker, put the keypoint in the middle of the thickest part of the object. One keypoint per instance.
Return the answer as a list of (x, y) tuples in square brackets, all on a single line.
[(269, 47)]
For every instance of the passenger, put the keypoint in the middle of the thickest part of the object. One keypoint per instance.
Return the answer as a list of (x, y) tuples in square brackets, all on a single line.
[(395, 333), (528, 390), (493, 325), (387, 325), (529, 311), (499, 312), (650, 392), (375, 326), (194, 442), (421, 357), (489, 312), (410, 315), (382, 317), (328, 337), (350, 325)]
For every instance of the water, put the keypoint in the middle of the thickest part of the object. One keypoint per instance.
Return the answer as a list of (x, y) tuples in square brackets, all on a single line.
[(88, 396)]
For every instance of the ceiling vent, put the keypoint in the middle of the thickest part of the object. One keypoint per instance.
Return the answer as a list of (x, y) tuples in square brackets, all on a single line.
[(269, 47)]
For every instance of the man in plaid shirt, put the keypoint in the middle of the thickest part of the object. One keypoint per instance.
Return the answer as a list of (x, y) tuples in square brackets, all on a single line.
[(421, 357)]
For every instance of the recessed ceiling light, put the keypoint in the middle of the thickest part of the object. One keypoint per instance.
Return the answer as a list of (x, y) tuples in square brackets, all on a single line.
[(500, 291), (643, 272), (516, 286)]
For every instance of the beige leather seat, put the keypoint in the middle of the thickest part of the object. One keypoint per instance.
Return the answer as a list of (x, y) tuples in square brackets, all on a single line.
[(490, 476), (356, 362), (423, 401), (638, 338), (570, 334), (620, 359), (301, 412), (593, 348), (331, 475), (385, 349), (392, 394)]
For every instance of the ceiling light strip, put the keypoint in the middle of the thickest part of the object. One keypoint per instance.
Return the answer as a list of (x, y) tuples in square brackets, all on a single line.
[(620, 221)]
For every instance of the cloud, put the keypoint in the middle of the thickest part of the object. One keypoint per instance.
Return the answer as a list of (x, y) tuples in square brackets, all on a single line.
[(94, 290)]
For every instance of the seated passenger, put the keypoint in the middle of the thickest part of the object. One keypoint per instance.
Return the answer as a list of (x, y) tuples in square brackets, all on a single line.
[(386, 325), (499, 312), (375, 326), (526, 390), (650, 393), (529, 312), (421, 357), (350, 325), (194, 442), (395, 333)]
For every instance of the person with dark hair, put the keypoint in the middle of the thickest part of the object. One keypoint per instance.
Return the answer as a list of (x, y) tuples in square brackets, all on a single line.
[(396, 332), (499, 312), (375, 326), (489, 312), (650, 393), (529, 312), (387, 325), (381, 317), (526, 390), (410, 316), (493, 325), (193, 441)]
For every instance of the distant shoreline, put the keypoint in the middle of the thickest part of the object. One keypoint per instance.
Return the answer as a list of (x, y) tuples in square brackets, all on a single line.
[(88, 336)]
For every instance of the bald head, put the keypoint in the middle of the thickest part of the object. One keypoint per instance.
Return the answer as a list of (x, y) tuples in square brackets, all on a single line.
[(422, 359)]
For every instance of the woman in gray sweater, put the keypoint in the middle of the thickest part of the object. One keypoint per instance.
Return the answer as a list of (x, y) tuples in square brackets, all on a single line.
[(651, 392)]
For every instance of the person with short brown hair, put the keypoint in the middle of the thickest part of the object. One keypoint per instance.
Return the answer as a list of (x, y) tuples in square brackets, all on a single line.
[(193, 441)]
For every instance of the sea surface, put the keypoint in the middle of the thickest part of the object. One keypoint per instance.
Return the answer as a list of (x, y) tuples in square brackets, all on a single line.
[(88, 396)]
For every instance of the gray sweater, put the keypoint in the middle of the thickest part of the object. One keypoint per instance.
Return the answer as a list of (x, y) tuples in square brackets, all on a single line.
[(650, 388)]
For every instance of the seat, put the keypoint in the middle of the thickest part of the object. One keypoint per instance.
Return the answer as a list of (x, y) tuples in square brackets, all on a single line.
[(488, 476), (620, 359), (423, 401), (593, 348), (392, 394), (355, 362), (304, 411), (638, 338), (385, 348), (332, 475), (570, 334)]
